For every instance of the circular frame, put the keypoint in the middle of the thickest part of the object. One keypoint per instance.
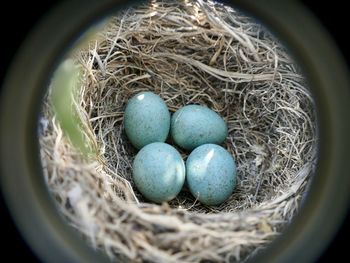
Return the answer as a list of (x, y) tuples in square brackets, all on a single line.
[(22, 181)]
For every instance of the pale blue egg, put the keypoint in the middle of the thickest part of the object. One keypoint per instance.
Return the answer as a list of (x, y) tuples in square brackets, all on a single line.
[(211, 174), (159, 172), (194, 125), (146, 119)]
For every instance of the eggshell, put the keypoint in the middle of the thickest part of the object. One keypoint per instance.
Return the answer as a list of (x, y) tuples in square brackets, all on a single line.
[(194, 125), (146, 119), (211, 174), (159, 172)]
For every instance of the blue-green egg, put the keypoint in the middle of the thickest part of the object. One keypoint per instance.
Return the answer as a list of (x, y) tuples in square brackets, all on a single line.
[(194, 125), (211, 174), (159, 172), (146, 119)]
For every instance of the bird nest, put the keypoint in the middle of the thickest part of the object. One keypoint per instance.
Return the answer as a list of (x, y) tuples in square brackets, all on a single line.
[(189, 53)]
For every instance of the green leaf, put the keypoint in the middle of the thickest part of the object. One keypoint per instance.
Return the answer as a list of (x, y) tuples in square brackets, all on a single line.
[(64, 83)]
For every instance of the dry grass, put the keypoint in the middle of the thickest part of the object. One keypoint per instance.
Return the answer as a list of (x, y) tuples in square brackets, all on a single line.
[(187, 52)]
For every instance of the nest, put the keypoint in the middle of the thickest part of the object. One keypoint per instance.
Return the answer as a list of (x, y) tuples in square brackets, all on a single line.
[(188, 53)]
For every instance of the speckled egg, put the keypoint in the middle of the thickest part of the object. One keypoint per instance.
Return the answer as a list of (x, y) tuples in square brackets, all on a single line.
[(146, 119), (211, 174), (194, 125), (159, 172)]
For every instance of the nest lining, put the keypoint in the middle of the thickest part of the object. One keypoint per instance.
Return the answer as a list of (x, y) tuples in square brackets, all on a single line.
[(188, 53)]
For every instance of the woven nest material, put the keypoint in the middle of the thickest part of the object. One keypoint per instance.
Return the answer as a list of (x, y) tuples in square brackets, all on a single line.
[(188, 53)]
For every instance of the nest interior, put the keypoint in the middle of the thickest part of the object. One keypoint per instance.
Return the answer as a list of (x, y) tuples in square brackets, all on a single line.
[(197, 52)]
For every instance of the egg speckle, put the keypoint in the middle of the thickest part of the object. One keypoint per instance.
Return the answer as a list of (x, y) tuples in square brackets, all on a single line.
[(194, 125), (211, 174), (146, 119), (159, 172)]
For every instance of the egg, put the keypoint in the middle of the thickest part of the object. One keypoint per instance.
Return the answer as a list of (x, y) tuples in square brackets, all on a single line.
[(159, 172), (194, 125), (211, 174), (146, 119)]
